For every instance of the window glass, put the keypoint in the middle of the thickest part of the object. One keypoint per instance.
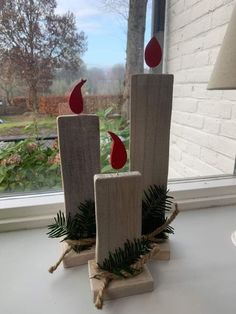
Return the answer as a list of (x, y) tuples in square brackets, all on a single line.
[(203, 132), (46, 47)]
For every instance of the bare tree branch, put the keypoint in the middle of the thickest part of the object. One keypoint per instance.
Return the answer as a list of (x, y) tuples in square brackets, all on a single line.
[(39, 40)]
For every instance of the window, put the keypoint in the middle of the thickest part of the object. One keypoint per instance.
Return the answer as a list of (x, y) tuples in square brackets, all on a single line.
[(203, 140)]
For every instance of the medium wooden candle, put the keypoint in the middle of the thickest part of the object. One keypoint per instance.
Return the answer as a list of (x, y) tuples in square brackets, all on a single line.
[(79, 146)]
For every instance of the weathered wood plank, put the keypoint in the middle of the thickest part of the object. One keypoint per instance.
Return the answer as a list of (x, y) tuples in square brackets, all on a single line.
[(80, 157), (118, 200), (151, 105)]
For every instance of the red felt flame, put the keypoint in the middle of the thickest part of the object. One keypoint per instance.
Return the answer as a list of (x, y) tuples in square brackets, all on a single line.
[(118, 152), (153, 53), (76, 102)]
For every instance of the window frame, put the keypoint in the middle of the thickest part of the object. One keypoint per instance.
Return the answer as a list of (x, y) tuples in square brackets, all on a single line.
[(38, 210)]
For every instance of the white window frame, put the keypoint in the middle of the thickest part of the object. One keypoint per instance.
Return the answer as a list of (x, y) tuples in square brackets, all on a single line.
[(38, 210)]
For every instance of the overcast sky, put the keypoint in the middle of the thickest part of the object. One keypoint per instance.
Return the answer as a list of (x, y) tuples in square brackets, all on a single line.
[(106, 31)]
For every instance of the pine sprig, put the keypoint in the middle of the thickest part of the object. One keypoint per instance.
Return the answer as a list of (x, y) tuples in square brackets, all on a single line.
[(81, 226), (86, 219), (60, 227), (122, 258), (155, 205)]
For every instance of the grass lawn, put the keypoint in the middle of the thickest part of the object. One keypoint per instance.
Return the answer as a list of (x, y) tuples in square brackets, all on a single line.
[(21, 125)]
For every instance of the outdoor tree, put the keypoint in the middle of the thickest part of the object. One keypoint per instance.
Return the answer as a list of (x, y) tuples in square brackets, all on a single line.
[(95, 80), (39, 40), (8, 77), (134, 12), (117, 75), (120, 7), (64, 78), (134, 47)]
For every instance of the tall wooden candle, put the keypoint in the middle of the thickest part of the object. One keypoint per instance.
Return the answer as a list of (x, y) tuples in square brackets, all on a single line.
[(151, 105)]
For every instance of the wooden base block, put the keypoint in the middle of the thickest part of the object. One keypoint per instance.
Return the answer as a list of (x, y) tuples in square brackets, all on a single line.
[(164, 253), (73, 259), (123, 287)]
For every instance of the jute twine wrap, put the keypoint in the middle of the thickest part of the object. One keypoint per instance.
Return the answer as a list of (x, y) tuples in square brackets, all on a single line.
[(107, 277), (71, 245), (151, 236), (91, 241)]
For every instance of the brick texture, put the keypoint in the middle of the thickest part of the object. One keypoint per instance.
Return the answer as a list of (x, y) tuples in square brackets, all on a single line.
[(203, 130)]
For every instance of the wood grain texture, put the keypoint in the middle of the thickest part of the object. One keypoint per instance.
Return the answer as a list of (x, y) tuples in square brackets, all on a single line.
[(79, 146), (121, 288), (118, 200), (73, 259), (151, 105)]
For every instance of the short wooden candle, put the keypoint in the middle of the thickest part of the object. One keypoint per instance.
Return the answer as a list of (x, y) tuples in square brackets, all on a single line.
[(118, 199), (118, 211), (79, 146)]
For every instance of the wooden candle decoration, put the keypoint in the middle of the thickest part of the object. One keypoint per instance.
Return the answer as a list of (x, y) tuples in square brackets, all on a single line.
[(118, 211), (151, 106), (118, 199), (78, 137), (79, 146)]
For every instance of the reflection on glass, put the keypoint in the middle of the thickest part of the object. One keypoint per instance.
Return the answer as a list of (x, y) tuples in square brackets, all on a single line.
[(233, 237)]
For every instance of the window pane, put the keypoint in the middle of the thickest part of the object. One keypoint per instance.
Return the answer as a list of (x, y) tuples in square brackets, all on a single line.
[(40, 64), (203, 133)]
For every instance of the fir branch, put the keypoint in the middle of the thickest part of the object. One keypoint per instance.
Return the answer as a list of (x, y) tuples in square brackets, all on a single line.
[(121, 259), (167, 223), (81, 226), (86, 219), (59, 228), (155, 204)]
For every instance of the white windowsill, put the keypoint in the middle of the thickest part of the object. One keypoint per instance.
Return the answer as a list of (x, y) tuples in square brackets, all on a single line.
[(33, 211), (199, 278)]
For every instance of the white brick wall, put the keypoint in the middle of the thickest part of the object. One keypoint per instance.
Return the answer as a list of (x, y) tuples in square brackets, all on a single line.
[(203, 132)]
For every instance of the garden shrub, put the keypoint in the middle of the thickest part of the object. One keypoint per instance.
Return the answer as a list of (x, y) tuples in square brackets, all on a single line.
[(29, 165)]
